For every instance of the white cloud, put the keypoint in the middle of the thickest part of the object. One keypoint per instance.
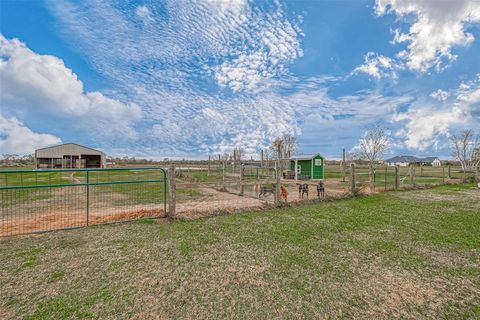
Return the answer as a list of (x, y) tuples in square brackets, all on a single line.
[(40, 88), (17, 139), (426, 125), (440, 95), (438, 27), (378, 66), (144, 13), (177, 67)]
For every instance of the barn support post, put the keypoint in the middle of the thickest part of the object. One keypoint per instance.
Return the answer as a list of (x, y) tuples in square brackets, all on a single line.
[(171, 191), (397, 177), (352, 180)]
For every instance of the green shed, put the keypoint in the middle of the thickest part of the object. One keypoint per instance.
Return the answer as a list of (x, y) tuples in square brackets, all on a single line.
[(308, 166)]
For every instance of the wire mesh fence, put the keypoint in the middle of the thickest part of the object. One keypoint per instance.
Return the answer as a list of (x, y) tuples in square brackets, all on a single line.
[(43, 200)]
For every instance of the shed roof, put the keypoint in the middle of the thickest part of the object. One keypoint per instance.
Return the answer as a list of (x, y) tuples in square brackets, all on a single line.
[(305, 156)]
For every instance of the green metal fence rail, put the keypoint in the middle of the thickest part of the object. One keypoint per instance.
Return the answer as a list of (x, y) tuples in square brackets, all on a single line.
[(33, 201)]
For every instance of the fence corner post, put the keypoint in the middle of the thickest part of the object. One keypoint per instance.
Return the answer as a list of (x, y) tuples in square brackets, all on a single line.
[(171, 191), (352, 180)]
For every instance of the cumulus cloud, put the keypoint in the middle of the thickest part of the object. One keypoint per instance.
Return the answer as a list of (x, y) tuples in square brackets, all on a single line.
[(437, 27), (440, 95), (426, 125), (16, 138), (40, 88), (378, 66)]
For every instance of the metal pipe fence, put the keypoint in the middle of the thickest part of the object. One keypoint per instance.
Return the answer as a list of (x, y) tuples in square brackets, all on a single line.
[(34, 201)]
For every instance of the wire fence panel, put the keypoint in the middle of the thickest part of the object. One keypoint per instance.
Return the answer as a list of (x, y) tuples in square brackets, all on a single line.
[(44, 200)]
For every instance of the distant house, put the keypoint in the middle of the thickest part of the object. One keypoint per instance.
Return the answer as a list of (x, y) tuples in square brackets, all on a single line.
[(404, 161)]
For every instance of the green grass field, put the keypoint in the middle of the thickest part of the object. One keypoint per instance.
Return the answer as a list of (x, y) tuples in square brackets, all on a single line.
[(407, 254)]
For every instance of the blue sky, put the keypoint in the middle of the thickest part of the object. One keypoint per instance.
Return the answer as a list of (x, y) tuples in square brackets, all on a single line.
[(192, 78)]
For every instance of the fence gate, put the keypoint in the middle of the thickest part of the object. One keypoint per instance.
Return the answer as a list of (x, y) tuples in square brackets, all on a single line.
[(43, 200)]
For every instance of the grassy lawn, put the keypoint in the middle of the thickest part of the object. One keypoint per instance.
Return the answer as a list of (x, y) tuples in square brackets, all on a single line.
[(408, 254)]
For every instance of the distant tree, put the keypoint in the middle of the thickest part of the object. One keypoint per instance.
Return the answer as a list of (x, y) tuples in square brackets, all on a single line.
[(238, 153), (283, 148), (465, 147), (373, 145)]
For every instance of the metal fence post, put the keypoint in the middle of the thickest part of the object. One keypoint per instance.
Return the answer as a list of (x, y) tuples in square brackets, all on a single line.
[(88, 196), (352, 166), (171, 191)]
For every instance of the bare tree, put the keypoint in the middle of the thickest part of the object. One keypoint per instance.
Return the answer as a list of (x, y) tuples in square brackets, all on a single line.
[(465, 147), (373, 145), (238, 153), (283, 148)]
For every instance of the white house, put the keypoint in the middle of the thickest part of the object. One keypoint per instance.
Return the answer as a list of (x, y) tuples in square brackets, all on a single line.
[(404, 161)]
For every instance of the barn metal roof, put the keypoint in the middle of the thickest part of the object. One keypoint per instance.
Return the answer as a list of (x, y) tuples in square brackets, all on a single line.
[(70, 143)]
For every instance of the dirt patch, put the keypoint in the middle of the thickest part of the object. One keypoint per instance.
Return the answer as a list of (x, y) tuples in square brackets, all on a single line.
[(217, 201), (396, 294)]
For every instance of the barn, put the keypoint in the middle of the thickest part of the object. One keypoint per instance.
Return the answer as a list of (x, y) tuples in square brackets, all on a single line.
[(69, 155), (308, 166)]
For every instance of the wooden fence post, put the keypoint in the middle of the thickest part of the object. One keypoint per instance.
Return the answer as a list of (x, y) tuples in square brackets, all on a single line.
[(411, 174), (223, 175), (343, 166), (171, 191), (371, 175), (352, 169), (397, 177), (477, 173), (241, 180), (443, 175), (421, 169), (449, 172), (276, 194), (208, 172)]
